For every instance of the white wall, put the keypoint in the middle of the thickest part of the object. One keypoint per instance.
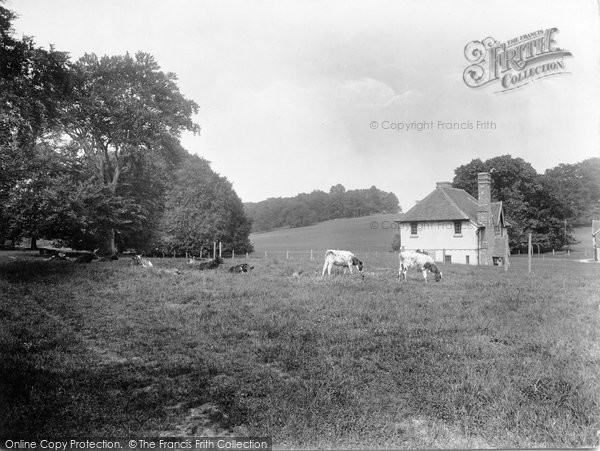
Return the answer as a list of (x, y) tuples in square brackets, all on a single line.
[(440, 235)]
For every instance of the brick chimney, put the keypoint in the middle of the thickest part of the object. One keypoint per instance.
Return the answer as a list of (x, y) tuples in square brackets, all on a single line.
[(484, 188), (484, 218), (443, 185), (484, 201)]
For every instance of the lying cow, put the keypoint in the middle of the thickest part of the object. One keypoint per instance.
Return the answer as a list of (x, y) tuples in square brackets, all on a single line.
[(421, 262), (87, 257), (341, 258), (143, 262), (238, 269), (211, 264)]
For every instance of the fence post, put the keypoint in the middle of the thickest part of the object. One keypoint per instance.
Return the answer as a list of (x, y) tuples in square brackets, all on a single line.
[(287, 255), (246, 255), (232, 254), (220, 250), (529, 251), (265, 254), (311, 255), (214, 249)]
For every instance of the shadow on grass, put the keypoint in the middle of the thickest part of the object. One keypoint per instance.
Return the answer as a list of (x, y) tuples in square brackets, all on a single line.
[(33, 270), (40, 402)]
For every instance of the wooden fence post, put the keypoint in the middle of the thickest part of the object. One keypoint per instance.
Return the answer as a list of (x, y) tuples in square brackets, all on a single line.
[(214, 249), (529, 251)]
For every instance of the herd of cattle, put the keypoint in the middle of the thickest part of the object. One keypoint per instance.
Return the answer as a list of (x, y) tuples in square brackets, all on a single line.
[(418, 260)]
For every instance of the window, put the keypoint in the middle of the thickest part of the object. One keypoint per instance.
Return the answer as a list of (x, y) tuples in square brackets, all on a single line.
[(447, 258), (413, 228), (458, 227), (468, 259)]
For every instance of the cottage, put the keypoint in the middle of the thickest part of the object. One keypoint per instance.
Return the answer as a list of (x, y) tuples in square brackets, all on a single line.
[(453, 226)]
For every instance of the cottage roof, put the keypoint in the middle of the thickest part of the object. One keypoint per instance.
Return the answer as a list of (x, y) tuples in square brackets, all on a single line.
[(448, 204), (595, 227)]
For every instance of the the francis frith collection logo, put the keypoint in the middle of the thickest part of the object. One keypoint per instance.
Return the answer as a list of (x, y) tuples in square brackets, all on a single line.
[(516, 62)]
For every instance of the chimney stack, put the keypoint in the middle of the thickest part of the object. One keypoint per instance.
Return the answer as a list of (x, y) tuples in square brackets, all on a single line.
[(484, 189), (443, 185)]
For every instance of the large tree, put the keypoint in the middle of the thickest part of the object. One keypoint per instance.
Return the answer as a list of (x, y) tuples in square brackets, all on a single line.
[(123, 112), (579, 187), (202, 208), (33, 82), (531, 205)]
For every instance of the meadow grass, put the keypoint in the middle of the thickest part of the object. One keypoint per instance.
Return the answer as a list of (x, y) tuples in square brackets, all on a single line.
[(482, 359)]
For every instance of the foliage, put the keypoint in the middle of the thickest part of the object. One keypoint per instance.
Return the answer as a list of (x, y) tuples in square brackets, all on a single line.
[(396, 242), (32, 80), (579, 188), (121, 113), (529, 201), (202, 208), (307, 209)]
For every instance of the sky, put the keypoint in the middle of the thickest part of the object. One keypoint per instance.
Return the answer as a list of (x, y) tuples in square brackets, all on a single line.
[(296, 96)]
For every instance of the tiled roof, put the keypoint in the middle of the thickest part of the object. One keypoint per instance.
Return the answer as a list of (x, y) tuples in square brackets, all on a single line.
[(443, 204), (448, 204)]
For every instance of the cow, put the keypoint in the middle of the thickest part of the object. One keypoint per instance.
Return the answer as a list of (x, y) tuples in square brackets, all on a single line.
[(420, 261), (143, 262), (87, 257), (341, 258), (211, 264), (238, 269)]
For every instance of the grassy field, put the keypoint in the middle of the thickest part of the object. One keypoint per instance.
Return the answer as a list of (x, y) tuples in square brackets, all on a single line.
[(482, 359), (374, 232)]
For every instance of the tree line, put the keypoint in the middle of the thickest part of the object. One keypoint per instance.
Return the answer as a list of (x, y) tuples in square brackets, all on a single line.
[(307, 209), (90, 155), (548, 205)]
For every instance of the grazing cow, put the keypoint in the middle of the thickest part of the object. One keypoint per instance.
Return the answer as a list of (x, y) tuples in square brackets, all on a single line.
[(420, 261), (341, 258), (87, 258), (238, 269), (211, 264), (143, 262)]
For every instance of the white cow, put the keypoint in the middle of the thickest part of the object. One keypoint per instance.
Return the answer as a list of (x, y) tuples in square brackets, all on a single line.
[(420, 261), (341, 258), (143, 262)]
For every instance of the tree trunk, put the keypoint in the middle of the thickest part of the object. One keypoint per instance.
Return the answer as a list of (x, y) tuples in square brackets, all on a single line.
[(33, 246), (108, 246)]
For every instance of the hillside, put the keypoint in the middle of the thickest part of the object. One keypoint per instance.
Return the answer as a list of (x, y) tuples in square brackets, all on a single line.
[(307, 209), (353, 234), (357, 235)]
